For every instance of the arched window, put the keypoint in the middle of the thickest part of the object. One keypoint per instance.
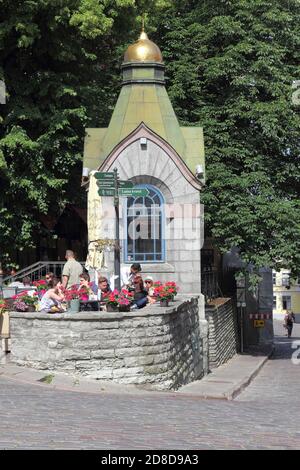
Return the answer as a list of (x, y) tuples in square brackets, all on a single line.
[(144, 227)]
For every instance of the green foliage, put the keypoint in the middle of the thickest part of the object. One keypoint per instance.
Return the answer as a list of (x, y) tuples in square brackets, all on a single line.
[(231, 66), (59, 64)]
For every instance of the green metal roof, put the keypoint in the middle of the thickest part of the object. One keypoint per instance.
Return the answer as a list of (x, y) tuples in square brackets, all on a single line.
[(143, 98)]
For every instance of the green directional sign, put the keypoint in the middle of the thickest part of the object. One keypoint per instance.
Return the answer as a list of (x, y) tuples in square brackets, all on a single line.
[(111, 184), (106, 192), (106, 184), (134, 192), (125, 184), (104, 176)]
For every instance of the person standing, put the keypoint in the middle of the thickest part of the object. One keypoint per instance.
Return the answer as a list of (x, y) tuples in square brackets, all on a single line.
[(72, 270), (289, 321)]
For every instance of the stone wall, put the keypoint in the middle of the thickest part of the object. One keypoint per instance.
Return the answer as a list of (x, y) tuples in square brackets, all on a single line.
[(222, 331), (156, 347)]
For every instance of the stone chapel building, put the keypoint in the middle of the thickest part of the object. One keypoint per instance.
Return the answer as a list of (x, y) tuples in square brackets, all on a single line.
[(145, 142)]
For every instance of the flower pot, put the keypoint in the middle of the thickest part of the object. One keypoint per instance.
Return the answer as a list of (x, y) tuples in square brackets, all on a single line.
[(74, 306), (112, 308), (164, 303), (124, 308)]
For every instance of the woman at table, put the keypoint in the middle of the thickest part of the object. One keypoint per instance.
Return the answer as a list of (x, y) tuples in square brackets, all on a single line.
[(52, 298), (140, 296), (90, 288)]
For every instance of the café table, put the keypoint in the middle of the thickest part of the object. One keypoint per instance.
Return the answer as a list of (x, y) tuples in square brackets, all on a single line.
[(90, 306)]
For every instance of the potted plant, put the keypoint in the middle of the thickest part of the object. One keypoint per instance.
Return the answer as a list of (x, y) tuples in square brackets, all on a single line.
[(111, 300), (162, 294), (124, 300), (24, 302), (4, 319), (172, 288), (73, 296)]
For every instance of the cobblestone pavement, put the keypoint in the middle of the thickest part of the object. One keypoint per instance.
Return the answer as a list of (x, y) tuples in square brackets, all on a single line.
[(265, 416)]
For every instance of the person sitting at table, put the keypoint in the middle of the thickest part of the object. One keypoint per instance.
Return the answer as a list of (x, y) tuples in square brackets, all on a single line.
[(52, 298), (84, 281), (140, 296), (103, 288), (50, 277), (150, 289), (127, 276)]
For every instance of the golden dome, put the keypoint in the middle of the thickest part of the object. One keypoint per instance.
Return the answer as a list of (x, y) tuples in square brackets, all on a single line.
[(143, 50)]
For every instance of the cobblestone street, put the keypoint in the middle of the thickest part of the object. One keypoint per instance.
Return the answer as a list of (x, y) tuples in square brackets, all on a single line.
[(265, 416)]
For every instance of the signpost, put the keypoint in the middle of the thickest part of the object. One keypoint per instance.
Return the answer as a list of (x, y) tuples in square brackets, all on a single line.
[(106, 192), (117, 246), (241, 302), (105, 184), (110, 186), (125, 184), (104, 176), (138, 192)]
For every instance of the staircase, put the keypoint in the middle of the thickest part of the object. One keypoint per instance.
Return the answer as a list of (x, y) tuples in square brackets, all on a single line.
[(37, 271)]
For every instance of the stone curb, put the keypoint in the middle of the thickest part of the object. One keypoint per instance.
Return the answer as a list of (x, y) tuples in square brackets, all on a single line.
[(236, 389), (239, 387), (33, 377)]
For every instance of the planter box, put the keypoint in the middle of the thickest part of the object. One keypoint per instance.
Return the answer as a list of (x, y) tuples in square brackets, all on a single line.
[(112, 308)]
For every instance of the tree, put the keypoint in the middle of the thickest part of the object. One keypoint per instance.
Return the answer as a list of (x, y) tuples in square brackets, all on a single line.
[(231, 66), (58, 61)]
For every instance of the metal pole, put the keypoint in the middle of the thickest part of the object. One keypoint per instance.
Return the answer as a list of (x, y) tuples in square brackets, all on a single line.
[(242, 330), (117, 242)]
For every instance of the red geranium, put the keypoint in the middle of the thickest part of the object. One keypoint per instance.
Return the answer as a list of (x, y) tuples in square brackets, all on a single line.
[(172, 287), (117, 298), (40, 285), (75, 292), (165, 291)]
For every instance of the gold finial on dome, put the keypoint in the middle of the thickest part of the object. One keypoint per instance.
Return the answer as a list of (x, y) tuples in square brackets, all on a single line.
[(143, 50)]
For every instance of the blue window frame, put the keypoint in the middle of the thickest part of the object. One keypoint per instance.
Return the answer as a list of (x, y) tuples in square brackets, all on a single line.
[(144, 227)]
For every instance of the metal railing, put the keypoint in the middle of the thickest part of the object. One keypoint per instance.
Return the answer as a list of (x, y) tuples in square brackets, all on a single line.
[(209, 284), (37, 271), (9, 292)]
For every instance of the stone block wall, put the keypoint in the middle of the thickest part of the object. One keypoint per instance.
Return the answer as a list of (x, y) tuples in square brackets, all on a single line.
[(222, 331), (155, 347)]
